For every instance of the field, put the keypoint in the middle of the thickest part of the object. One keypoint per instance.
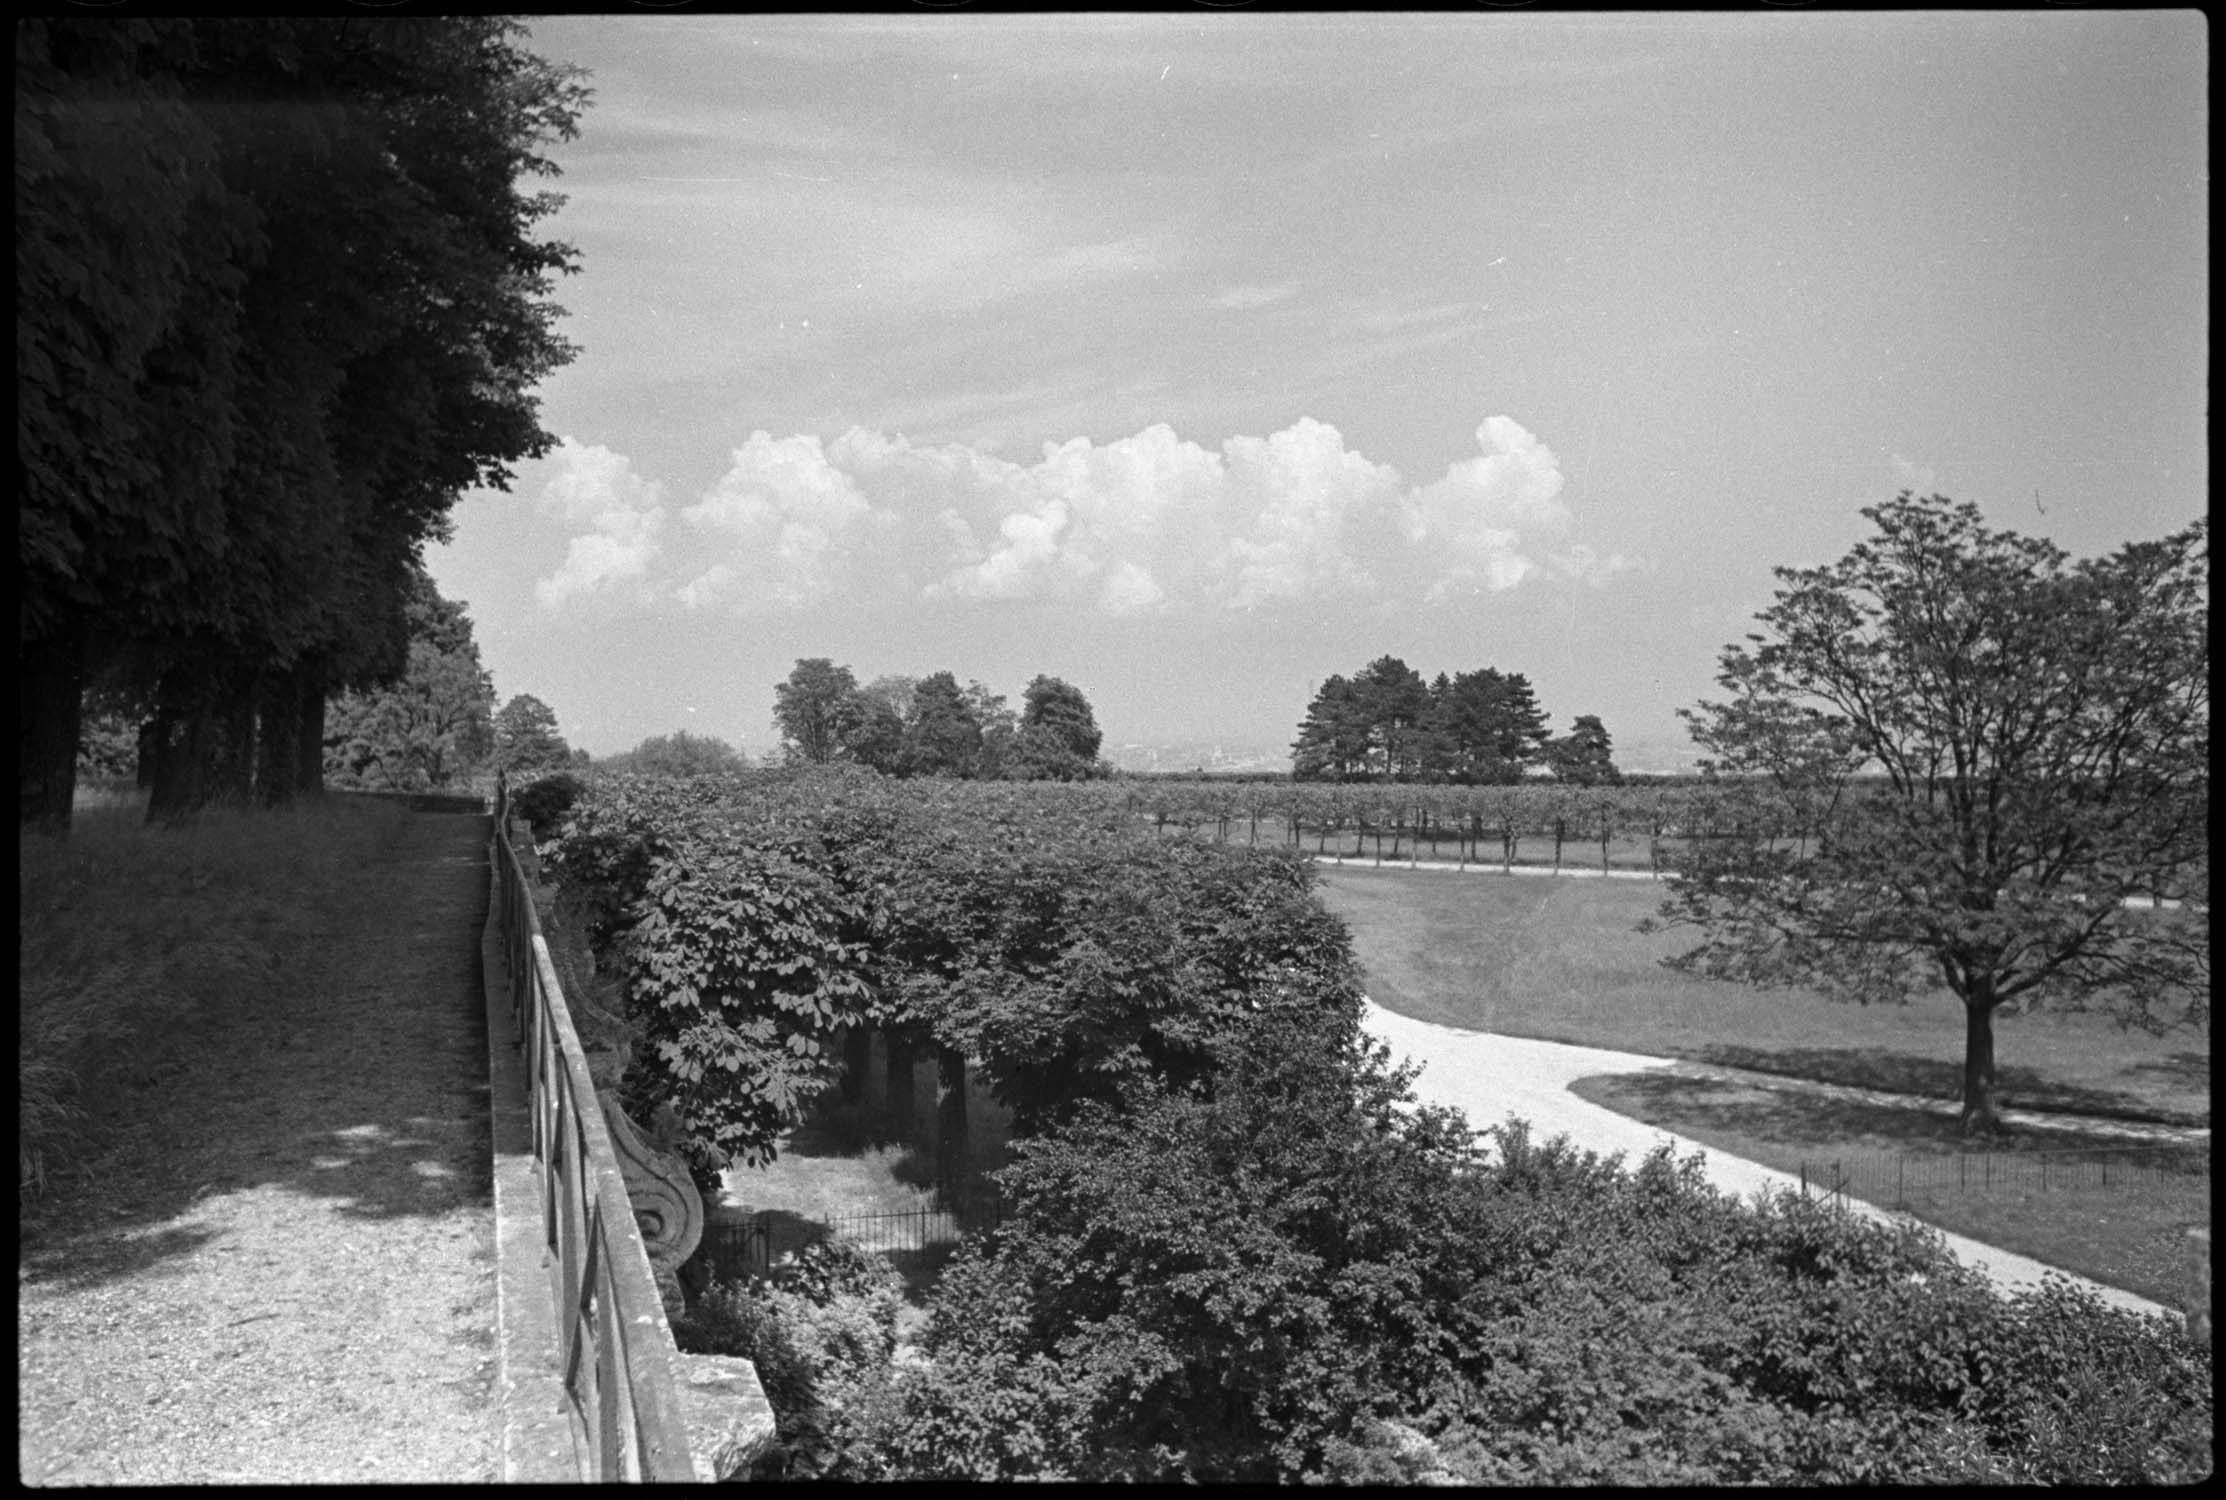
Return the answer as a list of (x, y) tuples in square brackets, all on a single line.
[(1558, 960)]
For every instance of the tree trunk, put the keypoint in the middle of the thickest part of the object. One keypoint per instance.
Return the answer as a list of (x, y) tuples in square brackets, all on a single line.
[(309, 739), (150, 750), (951, 1153), (277, 727), (50, 686), (179, 732), (204, 740), (232, 772), (902, 1103), (1981, 1114), (857, 1056)]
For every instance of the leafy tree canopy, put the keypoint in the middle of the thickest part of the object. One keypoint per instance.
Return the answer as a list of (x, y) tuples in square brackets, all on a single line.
[(1064, 723), (915, 726), (1474, 728), (2005, 754), (944, 737), (281, 304), (526, 738), (428, 727), (677, 754), (1584, 756), (817, 709)]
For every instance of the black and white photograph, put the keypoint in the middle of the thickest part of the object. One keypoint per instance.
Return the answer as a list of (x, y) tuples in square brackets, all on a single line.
[(1216, 743)]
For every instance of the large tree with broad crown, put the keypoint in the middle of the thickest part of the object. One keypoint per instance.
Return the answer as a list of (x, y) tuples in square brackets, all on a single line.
[(2004, 756)]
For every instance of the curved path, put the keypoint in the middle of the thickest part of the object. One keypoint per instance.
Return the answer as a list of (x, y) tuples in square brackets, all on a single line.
[(1489, 1077), (286, 1276)]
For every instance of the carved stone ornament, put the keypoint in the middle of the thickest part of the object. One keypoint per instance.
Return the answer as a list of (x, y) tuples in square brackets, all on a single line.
[(667, 1206)]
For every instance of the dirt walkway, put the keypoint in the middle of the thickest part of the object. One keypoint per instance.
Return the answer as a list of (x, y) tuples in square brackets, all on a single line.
[(285, 1273), (1490, 1077)]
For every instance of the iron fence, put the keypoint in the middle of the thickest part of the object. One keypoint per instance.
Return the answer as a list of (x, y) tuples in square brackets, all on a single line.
[(1899, 1180), (619, 1376), (749, 1246)]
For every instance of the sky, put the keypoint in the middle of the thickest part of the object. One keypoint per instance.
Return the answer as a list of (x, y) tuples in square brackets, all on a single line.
[(1193, 358)]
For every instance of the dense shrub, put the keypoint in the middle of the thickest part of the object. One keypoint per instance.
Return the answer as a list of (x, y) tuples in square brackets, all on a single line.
[(1263, 1281), (1234, 1246), (1052, 940), (543, 802), (820, 1332)]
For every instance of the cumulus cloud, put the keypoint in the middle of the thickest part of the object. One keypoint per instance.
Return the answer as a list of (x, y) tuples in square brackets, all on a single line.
[(1312, 515), (792, 521), (1142, 524), (592, 486), (1477, 517)]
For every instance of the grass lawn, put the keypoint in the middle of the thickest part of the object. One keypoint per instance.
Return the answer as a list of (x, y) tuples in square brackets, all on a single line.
[(1558, 960), (135, 943), (2128, 1230)]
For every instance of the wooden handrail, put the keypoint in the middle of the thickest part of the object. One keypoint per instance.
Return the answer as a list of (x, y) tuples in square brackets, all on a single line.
[(619, 1361)]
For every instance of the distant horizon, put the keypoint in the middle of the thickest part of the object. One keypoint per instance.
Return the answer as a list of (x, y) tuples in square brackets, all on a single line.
[(1192, 358)]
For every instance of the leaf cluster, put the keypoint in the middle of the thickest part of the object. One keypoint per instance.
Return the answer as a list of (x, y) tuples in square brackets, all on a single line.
[(1293, 1276), (2036, 736), (930, 726), (1474, 728), (820, 1333), (1051, 939)]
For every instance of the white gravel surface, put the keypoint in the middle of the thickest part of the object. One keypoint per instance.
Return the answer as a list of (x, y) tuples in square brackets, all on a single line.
[(1489, 1077)]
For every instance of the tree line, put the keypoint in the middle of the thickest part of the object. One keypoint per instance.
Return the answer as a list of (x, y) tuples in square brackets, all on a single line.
[(930, 726), (1474, 728), (279, 304)]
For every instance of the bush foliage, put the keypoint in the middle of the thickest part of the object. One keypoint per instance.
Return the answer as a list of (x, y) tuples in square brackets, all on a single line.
[(1055, 941), (544, 801), (1234, 1246), (820, 1333)]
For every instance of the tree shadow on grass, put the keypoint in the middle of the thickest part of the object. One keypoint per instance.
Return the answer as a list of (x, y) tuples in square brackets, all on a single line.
[(1933, 1078), (2189, 1070), (361, 1079), (1800, 1120)]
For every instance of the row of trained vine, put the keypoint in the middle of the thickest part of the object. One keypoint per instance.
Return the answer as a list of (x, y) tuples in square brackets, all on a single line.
[(1479, 823)]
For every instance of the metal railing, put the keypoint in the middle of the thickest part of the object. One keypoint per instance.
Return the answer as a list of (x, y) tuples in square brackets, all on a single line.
[(1899, 1180), (750, 1245), (618, 1355)]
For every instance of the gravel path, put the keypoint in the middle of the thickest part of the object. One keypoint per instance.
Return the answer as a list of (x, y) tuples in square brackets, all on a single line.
[(285, 1274), (1490, 1077)]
